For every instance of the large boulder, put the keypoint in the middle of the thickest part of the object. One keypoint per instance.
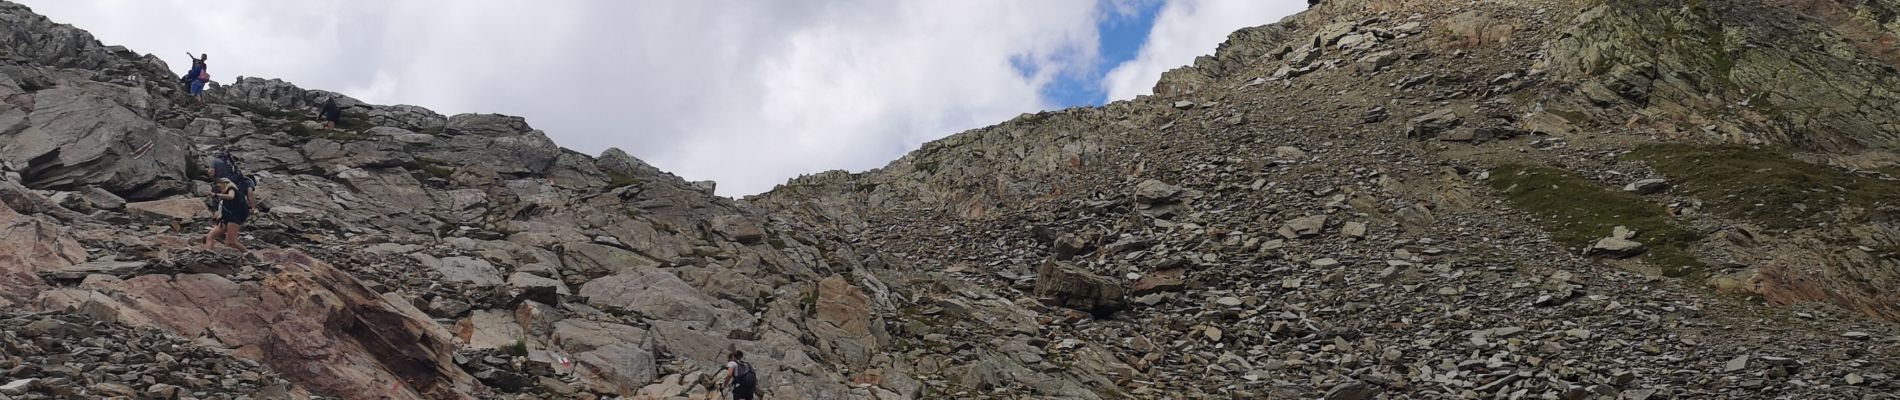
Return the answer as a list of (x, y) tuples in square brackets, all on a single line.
[(844, 320), (1429, 125), (738, 228), (594, 260), (29, 245), (524, 153), (621, 165), (490, 329), (311, 322), (267, 93), (469, 270), (486, 125), (334, 156), (609, 357), (170, 209), (406, 116), (658, 294), (1063, 284), (81, 133)]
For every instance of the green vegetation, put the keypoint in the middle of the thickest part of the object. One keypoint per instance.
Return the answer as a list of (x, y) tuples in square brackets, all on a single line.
[(433, 168), (928, 167), (1577, 212), (518, 349), (1766, 186), (617, 179), (270, 112), (1891, 170), (298, 129)]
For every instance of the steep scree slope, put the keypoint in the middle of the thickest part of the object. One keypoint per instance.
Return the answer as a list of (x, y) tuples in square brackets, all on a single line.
[(1422, 199)]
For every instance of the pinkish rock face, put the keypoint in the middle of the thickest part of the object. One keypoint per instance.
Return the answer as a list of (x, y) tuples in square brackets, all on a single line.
[(308, 320), (29, 244)]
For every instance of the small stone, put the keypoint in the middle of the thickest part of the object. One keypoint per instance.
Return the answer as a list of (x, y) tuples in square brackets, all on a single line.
[(162, 391), (19, 386), (1855, 379), (1857, 335), (1307, 226), (1739, 363), (1153, 191), (1324, 263), (1151, 299), (1354, 229), (1646, 186), (1459, 135), (1618, 245), (1229, 301), (1351, 390), (1184, 105), (1375, 115)]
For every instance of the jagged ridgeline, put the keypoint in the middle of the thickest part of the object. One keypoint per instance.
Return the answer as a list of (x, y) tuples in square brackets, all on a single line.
[(1369, 199)]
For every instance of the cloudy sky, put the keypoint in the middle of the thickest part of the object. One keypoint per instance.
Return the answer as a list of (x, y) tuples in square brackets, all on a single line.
[(745, 93)]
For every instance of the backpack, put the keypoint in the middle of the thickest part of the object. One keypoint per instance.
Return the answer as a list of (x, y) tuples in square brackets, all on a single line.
[(243, 181), (745, 378), (204, 75)]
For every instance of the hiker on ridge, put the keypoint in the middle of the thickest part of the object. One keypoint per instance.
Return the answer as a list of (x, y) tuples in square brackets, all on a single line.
[(195, 79), (232, 204), (330, 114)]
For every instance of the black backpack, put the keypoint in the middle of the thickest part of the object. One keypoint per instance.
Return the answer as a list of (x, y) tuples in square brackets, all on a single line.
[(745, 378), (238, 176)]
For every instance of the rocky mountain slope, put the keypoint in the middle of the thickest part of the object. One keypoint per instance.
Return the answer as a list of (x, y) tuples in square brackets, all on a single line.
[(1370, 199), (1429, 199)]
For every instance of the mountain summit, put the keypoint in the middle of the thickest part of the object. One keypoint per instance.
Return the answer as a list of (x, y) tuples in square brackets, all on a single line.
[(1372, 199)]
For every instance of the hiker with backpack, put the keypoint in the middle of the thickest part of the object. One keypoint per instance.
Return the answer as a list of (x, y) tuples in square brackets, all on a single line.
[(741, 378), (330, 114), (231, 202), (195, 79)]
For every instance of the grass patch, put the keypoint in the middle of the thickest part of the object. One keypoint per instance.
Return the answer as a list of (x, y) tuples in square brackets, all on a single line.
[(1577, 212), (434, 168), (1891, 170), (298, 129), (270, 112), (1766, 186), (616, 179), (353, 121)]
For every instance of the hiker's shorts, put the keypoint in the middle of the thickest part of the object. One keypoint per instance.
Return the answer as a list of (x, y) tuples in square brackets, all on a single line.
[(197, 87)]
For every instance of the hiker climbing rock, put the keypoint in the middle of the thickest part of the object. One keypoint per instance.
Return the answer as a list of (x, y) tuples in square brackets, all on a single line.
[(330, 113), (230, 201), (740, 377), (195, 79)]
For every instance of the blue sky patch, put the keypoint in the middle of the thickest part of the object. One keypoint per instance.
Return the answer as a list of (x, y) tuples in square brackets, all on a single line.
[(1121, 39)]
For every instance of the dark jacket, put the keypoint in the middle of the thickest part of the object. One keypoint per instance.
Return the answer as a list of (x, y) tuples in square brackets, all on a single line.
[(330, 111)]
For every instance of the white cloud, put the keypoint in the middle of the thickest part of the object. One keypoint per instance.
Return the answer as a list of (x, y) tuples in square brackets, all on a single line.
[(1185, 29)]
